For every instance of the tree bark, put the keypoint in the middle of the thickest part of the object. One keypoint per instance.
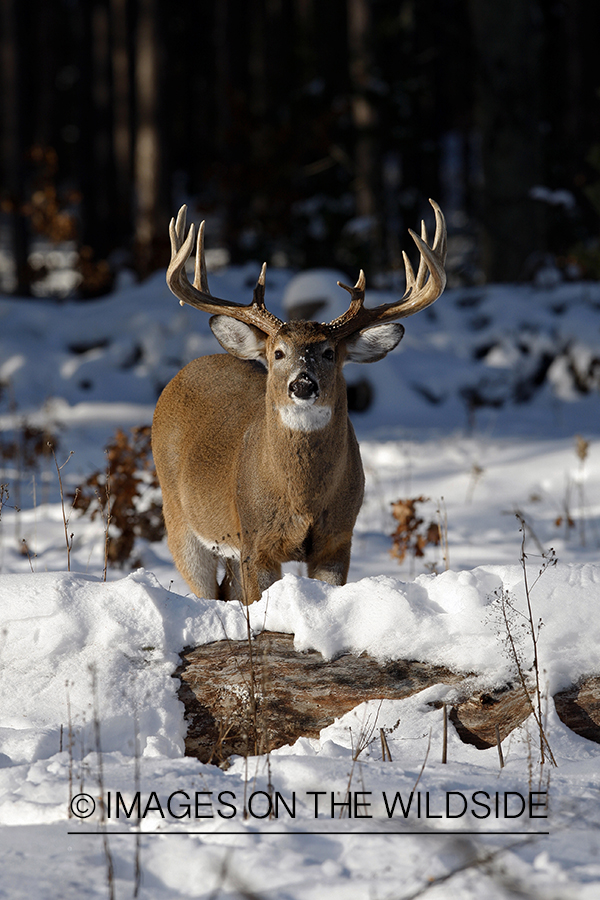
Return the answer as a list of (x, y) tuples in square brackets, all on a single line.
[(508, 42), (296, 694), (122, 116), (364, 118), (242, 702), (147, 166), (13, 138)]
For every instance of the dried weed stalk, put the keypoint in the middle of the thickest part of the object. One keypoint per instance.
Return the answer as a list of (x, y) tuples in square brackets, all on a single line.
[(520, 628), (66, 518)]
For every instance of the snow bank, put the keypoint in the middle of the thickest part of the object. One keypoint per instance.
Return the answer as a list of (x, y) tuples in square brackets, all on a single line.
[(453, 619), (58, 629)]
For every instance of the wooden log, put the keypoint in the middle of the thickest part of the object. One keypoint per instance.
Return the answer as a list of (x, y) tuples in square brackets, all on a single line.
[(249, 699), (579, 708), (292, 694), (476, 718)]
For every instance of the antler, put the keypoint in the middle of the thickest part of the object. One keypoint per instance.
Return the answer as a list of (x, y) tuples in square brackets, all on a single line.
[(198, 294), (421, 290)]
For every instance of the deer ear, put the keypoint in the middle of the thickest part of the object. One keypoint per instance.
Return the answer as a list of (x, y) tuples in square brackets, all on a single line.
[(239, 339), (373, 343)]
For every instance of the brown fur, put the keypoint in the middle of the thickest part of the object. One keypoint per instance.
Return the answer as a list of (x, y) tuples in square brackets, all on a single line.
[(232, 475)]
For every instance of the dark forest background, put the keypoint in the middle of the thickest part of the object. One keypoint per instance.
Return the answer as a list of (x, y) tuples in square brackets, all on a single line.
[(307, 132)]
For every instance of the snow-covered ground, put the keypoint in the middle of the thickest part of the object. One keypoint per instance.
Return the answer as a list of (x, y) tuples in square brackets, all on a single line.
[(479, 410)]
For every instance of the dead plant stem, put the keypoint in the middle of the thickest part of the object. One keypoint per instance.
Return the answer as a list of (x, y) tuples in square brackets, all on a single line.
[(110, 872), (69, 542)]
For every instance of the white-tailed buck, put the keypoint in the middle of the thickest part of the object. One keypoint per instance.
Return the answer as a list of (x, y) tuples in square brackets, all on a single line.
[(256, 457)]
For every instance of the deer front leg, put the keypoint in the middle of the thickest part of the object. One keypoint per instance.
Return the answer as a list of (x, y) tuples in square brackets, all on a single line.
[(257, 575), (196, 561), (331, 567)]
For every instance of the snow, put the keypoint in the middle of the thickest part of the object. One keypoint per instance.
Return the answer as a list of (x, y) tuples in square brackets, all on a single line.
[(479, 410)]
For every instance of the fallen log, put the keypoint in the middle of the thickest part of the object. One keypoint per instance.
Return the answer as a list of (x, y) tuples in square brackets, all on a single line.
[(243, 698), (578, 707), (291, 694), (475, 719)]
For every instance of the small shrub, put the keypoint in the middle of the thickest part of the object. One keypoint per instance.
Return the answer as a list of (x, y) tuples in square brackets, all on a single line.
[(411, 534), (121, 496), (27, 446)]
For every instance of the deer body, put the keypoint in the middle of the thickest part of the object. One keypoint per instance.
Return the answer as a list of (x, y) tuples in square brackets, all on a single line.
[(278, 494), (256, 457)]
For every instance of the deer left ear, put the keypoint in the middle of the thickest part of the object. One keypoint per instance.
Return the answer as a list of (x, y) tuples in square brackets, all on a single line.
[(238, 338), (373, 344)]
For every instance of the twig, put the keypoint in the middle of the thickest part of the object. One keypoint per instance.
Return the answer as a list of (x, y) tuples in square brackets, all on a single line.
[(110, 871), (533, 635), (499, 745), (581, 449), (443, 529), (62, 503), (519, 667), (476, 473), (424, 763), (365, 738), (107, 523), (445, 734), (385, 748), (27, 553), (527, 526), (474, 863), (138, 834), (70, 746)]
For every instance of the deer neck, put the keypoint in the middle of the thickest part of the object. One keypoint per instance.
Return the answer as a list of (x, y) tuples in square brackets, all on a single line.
[(307, 444)]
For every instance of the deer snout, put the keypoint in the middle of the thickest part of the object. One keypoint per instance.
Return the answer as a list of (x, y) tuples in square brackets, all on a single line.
[(303, 387)]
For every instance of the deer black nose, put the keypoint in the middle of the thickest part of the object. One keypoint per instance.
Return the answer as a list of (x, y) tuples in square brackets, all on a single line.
[(303, 387)]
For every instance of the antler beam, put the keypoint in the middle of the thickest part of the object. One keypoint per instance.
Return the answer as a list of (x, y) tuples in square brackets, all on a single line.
[(198, 294), (421, 290)]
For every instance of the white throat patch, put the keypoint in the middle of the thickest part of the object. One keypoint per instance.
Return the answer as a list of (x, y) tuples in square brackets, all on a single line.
[(303, 415)]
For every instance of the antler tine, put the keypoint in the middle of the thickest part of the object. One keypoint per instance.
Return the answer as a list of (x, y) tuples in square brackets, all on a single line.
[(422, 270), (200, 273), (357, 293), (356, 308), (421, 290), (409, 272), (180, 252), (177, 229), (258, 296), (198, 294)]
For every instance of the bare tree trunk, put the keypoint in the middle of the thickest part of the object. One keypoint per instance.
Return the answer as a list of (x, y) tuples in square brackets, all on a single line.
[(13, 143), (95, 151), (364, 119), (147, 162), (102, 143), (222, 75), (46, 53), (122, 112), (508, 38)]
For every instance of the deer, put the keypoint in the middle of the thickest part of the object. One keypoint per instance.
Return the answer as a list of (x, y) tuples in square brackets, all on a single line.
[(256, 456)]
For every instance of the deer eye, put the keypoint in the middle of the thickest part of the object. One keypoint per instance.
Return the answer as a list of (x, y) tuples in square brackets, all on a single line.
[(328, 353), (279, 354)]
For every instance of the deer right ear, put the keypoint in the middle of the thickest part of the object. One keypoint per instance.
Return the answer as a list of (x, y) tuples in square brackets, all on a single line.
[(239, 339), (373, 344)]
